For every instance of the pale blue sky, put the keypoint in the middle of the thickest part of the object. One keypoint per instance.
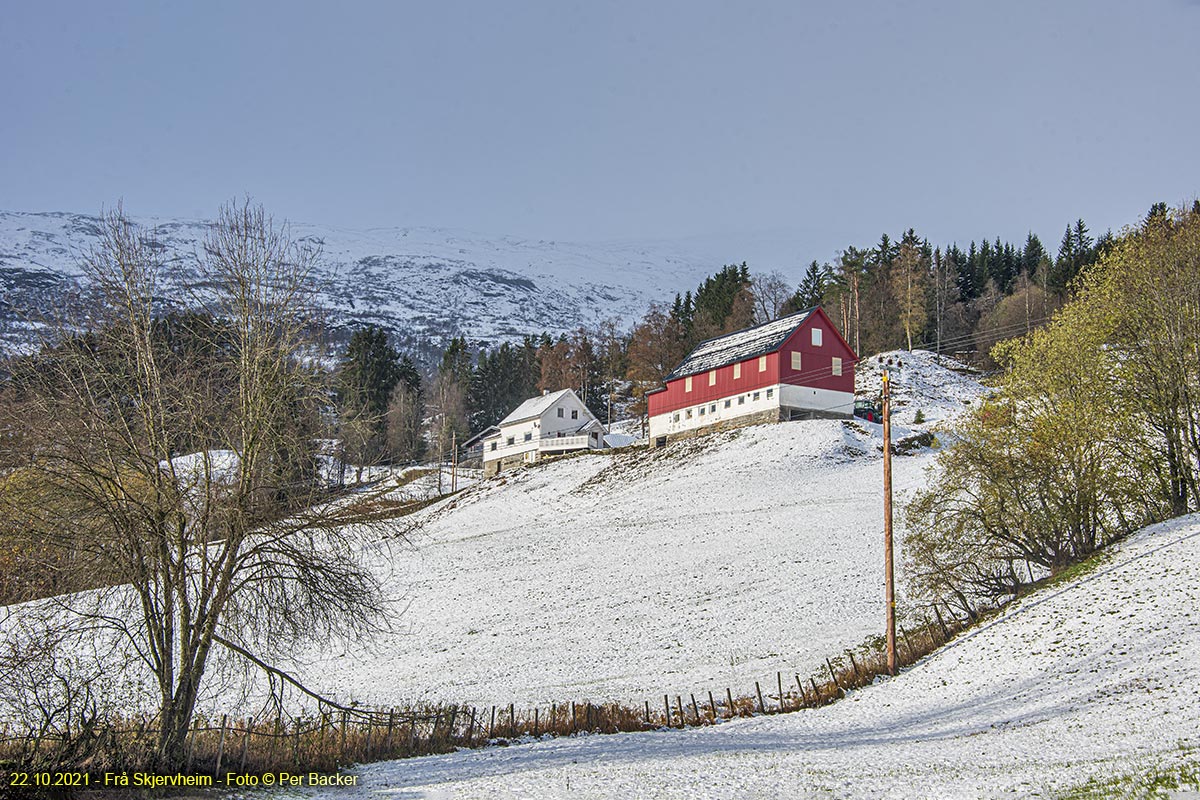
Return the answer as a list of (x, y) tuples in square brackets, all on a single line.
[(607, 120)]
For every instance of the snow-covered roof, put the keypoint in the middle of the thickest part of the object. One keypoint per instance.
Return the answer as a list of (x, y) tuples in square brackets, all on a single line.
[(740, 345), (534, 407), (593, 424), (486, 433)]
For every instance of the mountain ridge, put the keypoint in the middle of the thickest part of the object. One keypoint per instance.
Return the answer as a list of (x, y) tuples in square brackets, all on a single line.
[(425, 284)]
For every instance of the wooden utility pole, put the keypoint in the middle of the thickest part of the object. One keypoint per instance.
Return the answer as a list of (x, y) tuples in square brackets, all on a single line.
[(454, 461), (889, 578)]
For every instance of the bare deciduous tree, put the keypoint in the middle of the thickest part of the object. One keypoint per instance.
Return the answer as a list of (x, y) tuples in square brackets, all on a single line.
[(771, 291), (184, 481)]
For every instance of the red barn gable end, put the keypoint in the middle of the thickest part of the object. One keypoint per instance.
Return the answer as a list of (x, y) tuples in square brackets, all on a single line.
[(795, 367)]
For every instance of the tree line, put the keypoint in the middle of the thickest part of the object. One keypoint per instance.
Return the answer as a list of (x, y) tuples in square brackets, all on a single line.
[(904, 293)]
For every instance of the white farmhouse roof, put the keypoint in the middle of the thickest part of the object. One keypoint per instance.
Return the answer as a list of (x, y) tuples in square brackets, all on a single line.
[(740, 345), (533, 407)]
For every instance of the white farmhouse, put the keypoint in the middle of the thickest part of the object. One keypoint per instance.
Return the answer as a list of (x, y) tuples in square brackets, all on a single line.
[(551, 424)]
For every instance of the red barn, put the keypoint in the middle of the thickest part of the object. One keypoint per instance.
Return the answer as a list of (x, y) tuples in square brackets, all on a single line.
[(795, 367)]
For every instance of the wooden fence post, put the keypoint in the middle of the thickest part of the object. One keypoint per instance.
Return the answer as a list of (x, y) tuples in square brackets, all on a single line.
[(492, 725), (803, 694), (647, 712), (729, 701), (221, 745), (832, 674), (679, 706), (245, 745), (854, 664), (342, 744), (191, 746), (816, 691), (779, 683), (695, 708), (712, 706), (535, 722), (667, 709), (512, 720), (762, 709)]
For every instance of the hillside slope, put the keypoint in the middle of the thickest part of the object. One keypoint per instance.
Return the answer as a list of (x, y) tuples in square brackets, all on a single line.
[(707, 564), (1092, 682), (711, 563)]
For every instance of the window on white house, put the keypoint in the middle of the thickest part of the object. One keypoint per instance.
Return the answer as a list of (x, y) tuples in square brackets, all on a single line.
[(741, 399), (737, 371), (816, 337), (756, 395), (687, 383), (770, 393), (511, 440), (795, 359), (560, 413), (702, 411), (762, 363), (713, 408), (712, 377), (688, 413), (574, 413), (837, 366), (528, 436), (493, 445), (727, 403), (675, 417)]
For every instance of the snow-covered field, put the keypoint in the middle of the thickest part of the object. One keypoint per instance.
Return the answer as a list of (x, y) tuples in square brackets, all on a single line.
[(1090, 682), (708, 564), (712, 563)]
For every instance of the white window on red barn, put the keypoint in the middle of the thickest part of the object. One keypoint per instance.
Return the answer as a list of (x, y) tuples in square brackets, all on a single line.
[(762, 363), (737, 371), (687, 383), (712, 377), (837, 366), (795, 359), (816, 337)]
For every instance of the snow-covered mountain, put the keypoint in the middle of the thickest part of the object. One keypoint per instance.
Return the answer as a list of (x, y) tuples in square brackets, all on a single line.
[(425, 284)]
